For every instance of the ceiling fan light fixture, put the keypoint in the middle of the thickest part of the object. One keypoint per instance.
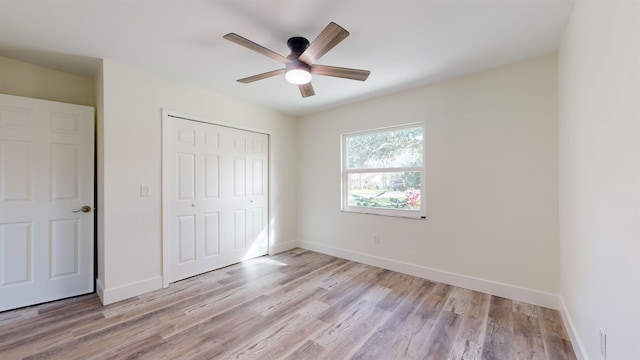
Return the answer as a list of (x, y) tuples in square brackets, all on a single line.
[(298, 65), (298, 76)]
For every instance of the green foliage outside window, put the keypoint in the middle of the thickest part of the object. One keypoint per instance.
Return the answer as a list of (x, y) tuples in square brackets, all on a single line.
[(384, 169)]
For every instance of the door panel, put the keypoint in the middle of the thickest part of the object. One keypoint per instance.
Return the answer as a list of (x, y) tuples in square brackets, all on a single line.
[(257, 177), (239, 228), (239, 176), (186, 176), (46, 173), (64, 247), (187, 238), (217, 178), (64, 171), (211, 176), (15, 168), (16, 239), (212, 234)]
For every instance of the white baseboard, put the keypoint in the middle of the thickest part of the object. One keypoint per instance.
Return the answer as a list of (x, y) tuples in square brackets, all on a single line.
[(578, 348), (278, 248), (110, 296), (517, 293)]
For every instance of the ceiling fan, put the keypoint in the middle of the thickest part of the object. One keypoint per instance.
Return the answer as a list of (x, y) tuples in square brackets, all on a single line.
[(299, 65)]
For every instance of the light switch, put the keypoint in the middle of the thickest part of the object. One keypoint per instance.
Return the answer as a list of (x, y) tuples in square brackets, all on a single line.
[(144, 190)]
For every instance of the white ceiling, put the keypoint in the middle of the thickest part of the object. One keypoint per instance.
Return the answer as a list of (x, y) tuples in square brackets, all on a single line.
[(404, 43)]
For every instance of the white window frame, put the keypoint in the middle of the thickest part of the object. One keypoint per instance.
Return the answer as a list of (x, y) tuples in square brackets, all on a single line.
[(405, 213)]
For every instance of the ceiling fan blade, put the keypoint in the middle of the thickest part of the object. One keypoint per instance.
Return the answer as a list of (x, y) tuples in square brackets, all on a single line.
[(326, 40), (261, 76), (346, 73), (306, 90), (233, 37)]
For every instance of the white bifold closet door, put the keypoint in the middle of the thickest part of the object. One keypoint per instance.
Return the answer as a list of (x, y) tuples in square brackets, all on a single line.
[(46, 201), (216, 196)]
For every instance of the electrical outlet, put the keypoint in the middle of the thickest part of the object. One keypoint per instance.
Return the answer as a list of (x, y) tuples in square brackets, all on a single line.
[(376, 239), (603, 344), (144, 190)]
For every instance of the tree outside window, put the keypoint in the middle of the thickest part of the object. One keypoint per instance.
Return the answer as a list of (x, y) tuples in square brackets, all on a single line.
[(383, 171)]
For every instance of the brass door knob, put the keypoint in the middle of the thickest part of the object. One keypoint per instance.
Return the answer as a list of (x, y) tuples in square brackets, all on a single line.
[(85, 208)]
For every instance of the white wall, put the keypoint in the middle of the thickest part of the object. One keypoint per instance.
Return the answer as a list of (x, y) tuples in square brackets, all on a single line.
[(23, 79), (599, 72), (131, 156), (491, 195)]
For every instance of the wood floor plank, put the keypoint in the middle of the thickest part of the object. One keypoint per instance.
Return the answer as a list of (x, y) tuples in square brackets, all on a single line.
[(191, 311), (308, 350), (499, 333), (130, 349), (359, 280), (208, 333), (442, 336), (410, 342), (46, 338), (294, 274), (283, 293), (13, 316), (524, 308), (49, 318), (232, 297), (349, 328), (399, 289), (470, 338), (83, 346), (557, 348), (379, 344), (527, 338), (295, 310), (458, 301), (554, 335), (551, 324), (295, 305), (284, 334), (363, 294), (343, 274)]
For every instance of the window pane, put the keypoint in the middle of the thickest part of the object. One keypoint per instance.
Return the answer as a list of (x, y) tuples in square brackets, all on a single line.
[(391, 190), (390, 149)]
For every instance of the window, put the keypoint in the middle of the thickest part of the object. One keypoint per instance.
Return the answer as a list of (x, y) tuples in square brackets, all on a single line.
[(383, 171)]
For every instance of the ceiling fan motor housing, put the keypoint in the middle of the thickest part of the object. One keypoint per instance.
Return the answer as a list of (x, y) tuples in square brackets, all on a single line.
[(297, 45)]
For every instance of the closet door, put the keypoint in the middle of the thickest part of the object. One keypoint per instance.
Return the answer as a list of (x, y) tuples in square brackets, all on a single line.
[(216, 196), (46, 201)]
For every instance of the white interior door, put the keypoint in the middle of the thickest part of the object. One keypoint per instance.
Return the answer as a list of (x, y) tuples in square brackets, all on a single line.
[(216, 186), (46, 174)]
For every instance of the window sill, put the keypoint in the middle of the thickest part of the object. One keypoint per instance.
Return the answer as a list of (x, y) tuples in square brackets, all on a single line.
[(393, 215)]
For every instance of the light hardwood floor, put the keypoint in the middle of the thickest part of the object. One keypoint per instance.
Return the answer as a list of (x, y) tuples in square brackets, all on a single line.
[(295, 305)]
